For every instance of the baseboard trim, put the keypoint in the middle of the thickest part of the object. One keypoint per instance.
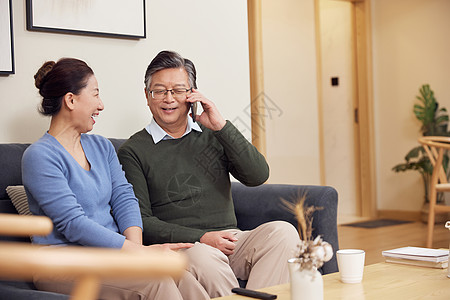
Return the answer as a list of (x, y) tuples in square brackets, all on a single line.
[(400, 215)]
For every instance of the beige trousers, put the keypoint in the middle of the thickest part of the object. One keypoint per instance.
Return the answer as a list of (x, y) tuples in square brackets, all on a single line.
[(260, 257), (156, 289)]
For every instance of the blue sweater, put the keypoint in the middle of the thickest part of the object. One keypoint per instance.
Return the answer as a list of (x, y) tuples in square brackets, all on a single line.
[(89, 208)]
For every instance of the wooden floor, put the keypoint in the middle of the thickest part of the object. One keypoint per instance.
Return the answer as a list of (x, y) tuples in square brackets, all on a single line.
[(375, 240)]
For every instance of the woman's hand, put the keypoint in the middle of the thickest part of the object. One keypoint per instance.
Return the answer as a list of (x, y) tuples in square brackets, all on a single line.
[(170, 246), (133, 241), (210, 117), (129, 245), (133, 234)]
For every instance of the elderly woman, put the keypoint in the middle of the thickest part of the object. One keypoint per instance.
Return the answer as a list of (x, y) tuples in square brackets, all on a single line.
[(75, 179)]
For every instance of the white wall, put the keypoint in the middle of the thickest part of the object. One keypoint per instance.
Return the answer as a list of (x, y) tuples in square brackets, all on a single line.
[(213, 34), (411, 48), (291, 85)]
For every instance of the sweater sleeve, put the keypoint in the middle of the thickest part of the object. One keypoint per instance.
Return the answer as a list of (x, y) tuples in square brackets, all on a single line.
[(245, 162), (125, 207), (155, 230), (44, 178)]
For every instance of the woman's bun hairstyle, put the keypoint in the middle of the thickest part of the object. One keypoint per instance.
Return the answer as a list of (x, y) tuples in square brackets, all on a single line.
[(54, 80), (42, 72)]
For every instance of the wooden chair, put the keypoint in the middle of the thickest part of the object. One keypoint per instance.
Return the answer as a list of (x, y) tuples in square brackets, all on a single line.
[(436, 147), (19, 261)]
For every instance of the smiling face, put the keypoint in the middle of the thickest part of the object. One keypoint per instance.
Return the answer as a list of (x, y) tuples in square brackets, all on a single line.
[(169, 113), (88, 106)]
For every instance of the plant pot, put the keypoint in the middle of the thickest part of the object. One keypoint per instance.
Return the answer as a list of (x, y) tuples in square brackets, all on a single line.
[(438, 218), (305, 283)]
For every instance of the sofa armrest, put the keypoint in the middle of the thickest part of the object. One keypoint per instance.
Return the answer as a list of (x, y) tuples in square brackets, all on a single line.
[(257, 205)]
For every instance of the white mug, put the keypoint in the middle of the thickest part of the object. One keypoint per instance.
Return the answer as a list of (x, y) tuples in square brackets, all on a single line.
[(351, 265)]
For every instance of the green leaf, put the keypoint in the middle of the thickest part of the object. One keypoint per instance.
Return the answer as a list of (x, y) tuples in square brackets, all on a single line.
[(434, 120), (414, 153)]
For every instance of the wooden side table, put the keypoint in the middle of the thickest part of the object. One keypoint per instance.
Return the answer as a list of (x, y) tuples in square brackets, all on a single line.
[(386, 281)]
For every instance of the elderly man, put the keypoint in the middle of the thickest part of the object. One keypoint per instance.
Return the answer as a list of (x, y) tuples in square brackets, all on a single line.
[(180, 171)]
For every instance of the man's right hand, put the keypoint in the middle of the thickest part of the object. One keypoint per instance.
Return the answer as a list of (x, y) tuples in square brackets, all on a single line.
[(222, 240)]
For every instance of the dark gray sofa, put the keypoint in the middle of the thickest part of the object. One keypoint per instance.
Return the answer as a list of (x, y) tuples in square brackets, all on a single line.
[(253, 205)]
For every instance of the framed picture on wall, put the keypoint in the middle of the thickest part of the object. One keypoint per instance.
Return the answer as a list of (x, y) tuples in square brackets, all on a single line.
[(6, 38), (109, 18)]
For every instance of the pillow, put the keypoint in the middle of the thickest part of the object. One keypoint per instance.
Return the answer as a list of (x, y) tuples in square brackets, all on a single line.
[(19, 199)]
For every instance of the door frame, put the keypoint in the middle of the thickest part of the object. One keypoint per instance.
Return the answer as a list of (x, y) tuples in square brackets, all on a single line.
[(363, 105), (256, 69)]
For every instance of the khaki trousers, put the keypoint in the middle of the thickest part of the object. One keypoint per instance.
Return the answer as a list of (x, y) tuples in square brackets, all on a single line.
[(154, 289), (260, 257)]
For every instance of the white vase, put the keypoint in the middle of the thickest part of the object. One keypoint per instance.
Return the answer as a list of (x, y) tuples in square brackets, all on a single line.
[(305, 284)]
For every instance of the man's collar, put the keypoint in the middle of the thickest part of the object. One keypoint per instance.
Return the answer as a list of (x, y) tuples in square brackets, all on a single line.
[(158, 134)]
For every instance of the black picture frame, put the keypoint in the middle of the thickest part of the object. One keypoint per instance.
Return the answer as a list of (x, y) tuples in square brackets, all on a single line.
[(118, 18), (6, 38)]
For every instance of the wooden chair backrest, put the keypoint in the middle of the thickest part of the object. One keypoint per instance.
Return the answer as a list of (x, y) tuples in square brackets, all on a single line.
[(14, 225), (87, 264), (436, 147)]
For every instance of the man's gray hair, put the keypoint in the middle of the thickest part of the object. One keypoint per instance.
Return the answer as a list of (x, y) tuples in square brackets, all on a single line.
[(170, 60)]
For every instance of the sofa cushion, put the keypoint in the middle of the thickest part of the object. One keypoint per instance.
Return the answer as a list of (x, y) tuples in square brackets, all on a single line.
[(19, 199), (10, 162)]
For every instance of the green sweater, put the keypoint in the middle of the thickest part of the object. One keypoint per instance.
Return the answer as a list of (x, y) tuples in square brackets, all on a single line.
[(183, 185)]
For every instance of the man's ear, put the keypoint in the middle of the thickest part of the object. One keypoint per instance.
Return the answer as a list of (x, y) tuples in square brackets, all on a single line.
[(69, 101), (147, 96)]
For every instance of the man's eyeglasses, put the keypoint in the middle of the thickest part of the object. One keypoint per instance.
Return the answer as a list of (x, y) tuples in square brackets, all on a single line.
[(178, 93)]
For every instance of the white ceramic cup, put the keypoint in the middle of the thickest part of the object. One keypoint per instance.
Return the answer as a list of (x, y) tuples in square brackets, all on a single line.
[(351, 264)]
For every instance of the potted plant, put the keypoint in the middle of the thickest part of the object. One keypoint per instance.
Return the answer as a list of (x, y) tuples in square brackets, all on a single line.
[(434, 123)]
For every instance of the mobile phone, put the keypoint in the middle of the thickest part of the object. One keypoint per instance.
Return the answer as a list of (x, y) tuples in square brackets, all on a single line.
[(253, 294), (194, 110)]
